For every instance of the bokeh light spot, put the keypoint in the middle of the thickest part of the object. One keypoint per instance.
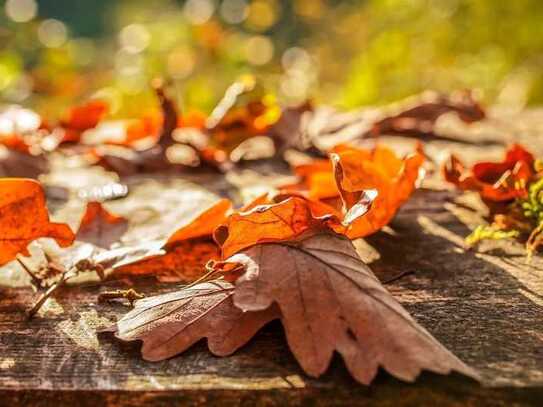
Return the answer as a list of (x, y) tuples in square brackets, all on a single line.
[(52, 33), (198, 11), (134, 38), (259, 50), (181, 62), (234, 11), (21, 11), (263, 14)]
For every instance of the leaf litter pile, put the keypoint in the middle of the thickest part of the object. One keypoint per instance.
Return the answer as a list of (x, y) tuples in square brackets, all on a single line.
[(283, 252)]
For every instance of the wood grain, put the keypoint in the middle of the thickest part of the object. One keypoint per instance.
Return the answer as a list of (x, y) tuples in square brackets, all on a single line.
[(486, 306)]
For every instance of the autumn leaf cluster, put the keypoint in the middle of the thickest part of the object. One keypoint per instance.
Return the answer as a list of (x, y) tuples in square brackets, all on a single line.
[(287, 255)]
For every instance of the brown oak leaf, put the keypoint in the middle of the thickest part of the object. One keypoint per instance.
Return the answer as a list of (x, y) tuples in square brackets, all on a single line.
[(169, 324), (331, 301)]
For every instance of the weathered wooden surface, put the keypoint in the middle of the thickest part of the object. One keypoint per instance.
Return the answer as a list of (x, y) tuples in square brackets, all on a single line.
[(486, 306)]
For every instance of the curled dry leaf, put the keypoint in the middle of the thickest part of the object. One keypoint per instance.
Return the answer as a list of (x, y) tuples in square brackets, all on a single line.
[(495, 181), (169, 324), (24, 218), (326, 297), (330, 301), (186, 251), (315, 130), (100, 227), (393, 178), (344, 182), (418, 116)]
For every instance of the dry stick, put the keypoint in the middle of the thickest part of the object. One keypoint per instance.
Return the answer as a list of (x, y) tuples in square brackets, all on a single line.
[(398, 276), (36, 282), (130, 295)]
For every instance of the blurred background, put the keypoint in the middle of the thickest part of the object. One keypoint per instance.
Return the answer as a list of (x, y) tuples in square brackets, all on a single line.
[(54, 53)]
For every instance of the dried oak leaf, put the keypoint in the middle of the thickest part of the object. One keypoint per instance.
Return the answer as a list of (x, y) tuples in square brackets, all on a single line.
[(315, 130), (24, 218), (495, 181), (100, 227), (169, 324), (344, 181), (186, 251), (418, 116), (90, 251), (330, 301)]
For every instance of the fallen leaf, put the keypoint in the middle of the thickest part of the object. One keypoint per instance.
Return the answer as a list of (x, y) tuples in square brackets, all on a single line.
[(315, 130), (331, 301), (186, 251), (393, 178), (100, 227), (347, 178), (24, 218), (271, 223), (495, 181), (169, 324), (80, 118), (418, 116)]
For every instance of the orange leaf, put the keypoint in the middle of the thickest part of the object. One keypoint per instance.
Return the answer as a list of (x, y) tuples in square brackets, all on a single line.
[(351, 173), (204, 224), (393, 178), (85, 116), (271, 223), (24, 218)]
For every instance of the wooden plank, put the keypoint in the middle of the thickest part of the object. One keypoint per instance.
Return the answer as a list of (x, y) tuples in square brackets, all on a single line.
[(485, 306)]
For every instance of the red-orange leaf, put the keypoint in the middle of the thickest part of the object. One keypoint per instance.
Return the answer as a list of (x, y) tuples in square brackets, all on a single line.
[(85, 116), (495, 181), (24, 218)]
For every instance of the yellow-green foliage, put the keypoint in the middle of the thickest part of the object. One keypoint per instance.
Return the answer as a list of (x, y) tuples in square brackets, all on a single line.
[(489, 233)]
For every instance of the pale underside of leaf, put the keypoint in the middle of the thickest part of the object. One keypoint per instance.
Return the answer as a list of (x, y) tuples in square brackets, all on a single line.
[(331, 301), (169, 324)]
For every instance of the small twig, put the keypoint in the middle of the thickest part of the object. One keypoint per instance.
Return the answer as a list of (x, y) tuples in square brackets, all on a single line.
[(50, 291), (36, 281), (130, 295), (398, 276)]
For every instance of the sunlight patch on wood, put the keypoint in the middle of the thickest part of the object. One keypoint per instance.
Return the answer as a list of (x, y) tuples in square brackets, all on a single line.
[(214, 382)]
